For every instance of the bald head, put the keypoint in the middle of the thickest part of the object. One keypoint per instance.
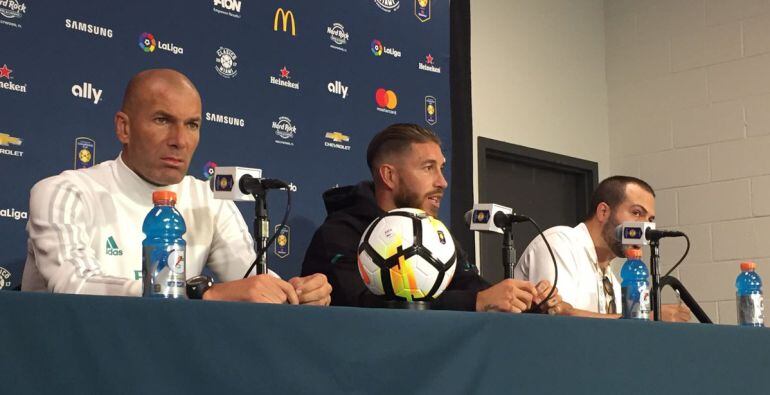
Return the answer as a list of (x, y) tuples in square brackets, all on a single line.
[(145, 84), (159, 125)]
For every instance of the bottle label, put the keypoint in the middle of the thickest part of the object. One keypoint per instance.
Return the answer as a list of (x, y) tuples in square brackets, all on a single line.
[(751, 310), (636, 301), (164, 271)]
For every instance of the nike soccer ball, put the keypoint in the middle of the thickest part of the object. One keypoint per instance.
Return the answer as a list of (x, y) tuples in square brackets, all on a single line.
[(407, 255)]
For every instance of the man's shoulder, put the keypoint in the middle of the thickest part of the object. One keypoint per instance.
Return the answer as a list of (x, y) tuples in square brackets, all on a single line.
[(562, 231), (557, 236), (345, 222), (76, 179)]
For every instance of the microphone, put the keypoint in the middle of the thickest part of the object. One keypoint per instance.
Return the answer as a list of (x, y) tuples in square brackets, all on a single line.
[(641, 233), (249, 184), (491, 217), (239, 183)]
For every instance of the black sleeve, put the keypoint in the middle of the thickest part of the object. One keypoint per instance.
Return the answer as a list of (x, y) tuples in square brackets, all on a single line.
[(466, 283), (333, 252)]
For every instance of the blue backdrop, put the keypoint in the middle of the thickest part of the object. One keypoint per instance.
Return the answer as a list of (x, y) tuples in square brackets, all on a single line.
[(296, 88)]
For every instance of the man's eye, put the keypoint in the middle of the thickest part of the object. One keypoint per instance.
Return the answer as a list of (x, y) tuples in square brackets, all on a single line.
[(161, 120), (194, 125)]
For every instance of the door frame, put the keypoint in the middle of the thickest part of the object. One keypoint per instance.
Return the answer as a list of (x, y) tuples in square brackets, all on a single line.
[(494, 149)]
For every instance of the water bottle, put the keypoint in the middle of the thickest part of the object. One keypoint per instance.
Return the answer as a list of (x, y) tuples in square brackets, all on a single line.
[(163, 259), (749, 296), (636, 286)]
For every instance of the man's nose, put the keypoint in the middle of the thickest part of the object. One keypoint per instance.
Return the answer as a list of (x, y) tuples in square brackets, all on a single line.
[(179, 137), (441, 181)]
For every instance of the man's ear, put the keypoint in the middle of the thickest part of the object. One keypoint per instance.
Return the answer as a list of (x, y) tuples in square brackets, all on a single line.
[(603, 212), (122, 129), (388, 175)]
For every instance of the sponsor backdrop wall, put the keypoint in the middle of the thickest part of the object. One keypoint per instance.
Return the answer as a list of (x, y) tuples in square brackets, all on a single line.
[(296, 88)]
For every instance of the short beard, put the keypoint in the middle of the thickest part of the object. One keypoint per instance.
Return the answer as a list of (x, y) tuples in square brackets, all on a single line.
[(609, 236), (408, 199)]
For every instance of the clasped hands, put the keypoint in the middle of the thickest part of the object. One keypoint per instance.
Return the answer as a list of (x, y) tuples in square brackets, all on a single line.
[(518, 296), (265, 288)]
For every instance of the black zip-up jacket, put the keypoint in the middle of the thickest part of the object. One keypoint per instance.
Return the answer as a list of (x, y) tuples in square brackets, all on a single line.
[(333, 252)]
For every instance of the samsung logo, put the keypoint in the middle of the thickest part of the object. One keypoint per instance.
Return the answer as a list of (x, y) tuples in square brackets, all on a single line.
[(223, 119), (88, 28)]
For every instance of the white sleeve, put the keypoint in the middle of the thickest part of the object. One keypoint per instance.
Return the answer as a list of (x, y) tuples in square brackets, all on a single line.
[(232, 248), (535, 263), (58, 227)]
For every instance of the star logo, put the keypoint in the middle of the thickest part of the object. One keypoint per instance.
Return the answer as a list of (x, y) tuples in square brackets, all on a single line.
[(5, 72), (285, 72), (429, 59)]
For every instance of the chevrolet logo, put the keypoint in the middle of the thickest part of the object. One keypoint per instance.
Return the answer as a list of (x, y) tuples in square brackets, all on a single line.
[(337, 137), (286, 16), (6, 139)]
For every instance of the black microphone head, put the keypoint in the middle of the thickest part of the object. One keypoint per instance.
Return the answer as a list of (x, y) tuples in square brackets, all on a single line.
[(501, 220), (656, 234), (246, 182)]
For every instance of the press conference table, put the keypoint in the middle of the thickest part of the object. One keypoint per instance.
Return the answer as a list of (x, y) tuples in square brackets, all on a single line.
[(89, 344)]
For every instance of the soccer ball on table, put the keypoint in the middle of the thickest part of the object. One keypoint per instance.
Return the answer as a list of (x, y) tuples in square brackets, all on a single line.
[(407, 255)]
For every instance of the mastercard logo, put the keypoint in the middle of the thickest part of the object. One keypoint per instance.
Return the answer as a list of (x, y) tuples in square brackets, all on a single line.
[(376, 47), (147, 42), (386, 98)]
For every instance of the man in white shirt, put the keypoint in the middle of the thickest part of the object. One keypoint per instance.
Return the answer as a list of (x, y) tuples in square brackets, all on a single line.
[(583, 253), (85, 226)]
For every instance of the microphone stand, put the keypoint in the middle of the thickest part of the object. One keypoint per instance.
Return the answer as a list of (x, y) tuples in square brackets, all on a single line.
[(509, 252), (261, 224), (686, 297), (261, 231), (654, 268)]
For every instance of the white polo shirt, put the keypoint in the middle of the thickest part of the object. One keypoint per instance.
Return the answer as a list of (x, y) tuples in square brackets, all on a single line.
[(580, 278)]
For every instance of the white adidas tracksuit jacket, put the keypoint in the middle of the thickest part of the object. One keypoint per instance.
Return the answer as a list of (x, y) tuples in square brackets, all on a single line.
[(85, 231)]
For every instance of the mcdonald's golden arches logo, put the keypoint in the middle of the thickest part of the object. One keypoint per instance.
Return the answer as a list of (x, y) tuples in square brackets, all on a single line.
[(286, 17)]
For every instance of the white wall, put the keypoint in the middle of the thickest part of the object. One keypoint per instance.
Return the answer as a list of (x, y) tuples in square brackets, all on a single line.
[(538, 77), (689, 111)]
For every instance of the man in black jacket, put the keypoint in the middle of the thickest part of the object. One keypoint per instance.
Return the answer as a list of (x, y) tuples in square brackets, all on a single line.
[(406, 164)]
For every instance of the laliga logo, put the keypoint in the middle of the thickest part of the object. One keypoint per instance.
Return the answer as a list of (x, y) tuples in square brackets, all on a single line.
[(208, 170), (376, 47), (147, 42), (13, 214)]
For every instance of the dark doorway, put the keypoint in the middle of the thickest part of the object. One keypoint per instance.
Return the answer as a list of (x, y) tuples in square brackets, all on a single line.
[(550, 188)]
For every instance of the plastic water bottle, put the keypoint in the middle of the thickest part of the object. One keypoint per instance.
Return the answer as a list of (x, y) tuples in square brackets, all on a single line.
[(636, 286), (163, 265), (749, 296)]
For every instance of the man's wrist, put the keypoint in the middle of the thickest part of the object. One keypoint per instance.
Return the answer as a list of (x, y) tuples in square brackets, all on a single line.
[(198, 287)]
